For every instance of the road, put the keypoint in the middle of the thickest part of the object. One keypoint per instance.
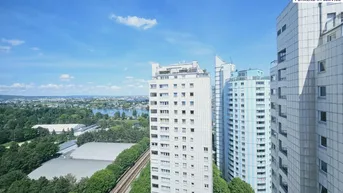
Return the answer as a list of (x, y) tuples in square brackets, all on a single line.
[(124, 184)]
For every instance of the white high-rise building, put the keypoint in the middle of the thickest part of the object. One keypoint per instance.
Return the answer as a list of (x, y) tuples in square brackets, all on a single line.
[(223, 72), (247, 125), (180, 128), (307, 99)]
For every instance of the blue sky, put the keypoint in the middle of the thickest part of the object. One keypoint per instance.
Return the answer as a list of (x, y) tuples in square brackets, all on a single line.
[(93, 47)]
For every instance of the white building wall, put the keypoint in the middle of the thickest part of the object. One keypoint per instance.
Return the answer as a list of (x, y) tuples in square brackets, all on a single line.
[(294, 134), (190, 169), (247, 123), (223, 71)]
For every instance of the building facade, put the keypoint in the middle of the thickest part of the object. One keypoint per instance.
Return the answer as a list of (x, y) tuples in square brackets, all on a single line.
[(223, 72), (247, 125), (180, 128), (306, 100)]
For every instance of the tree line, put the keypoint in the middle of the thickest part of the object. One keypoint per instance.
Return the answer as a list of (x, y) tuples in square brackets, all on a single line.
[(16, 162), (16, 123), (236, 185)]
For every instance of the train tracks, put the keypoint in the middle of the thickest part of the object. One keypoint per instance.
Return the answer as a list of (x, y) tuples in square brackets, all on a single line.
[(126, 180)]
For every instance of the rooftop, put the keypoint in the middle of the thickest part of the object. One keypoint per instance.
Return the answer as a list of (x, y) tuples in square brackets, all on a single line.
[(61, 167), (59, 127), (82, 162), (175, 69), (100, 151)]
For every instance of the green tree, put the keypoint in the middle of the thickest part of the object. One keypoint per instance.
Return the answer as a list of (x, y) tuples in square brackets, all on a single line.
[(219, 184), (7, 179), (100, 182), (123, 115), (134, 113), (237, 185), (142, 183), (117, 115)]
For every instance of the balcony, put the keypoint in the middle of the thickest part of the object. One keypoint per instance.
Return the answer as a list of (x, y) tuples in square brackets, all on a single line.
[(284, 186), (283, 150), (333, 23), (284, 168), (283, 132)]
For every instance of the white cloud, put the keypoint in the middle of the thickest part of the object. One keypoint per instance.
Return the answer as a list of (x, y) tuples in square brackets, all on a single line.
[(115, 87), (66, 77), (16, 86), (35, 49), (13, 42), (130, 85), (134, 21), (5, 49), (51, 86), (129, 77)]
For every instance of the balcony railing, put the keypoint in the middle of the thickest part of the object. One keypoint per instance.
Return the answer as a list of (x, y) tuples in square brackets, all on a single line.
[(329, 25), (283, 115), (283, 132)]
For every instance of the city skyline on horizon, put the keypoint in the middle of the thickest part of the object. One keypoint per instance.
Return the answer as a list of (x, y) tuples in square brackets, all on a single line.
[(45, 51)]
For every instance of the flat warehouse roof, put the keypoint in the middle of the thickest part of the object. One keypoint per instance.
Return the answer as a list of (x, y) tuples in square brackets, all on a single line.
[(61, 167), (100, 151), (84, 161)]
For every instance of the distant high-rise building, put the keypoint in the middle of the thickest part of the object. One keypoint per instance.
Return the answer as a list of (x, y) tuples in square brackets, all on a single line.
[(247, 127), (181, 129), (223, 71), (307, 99)]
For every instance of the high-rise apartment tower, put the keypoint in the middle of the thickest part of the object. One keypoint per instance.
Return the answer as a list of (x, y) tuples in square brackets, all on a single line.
[(307, 99), (180, 128)]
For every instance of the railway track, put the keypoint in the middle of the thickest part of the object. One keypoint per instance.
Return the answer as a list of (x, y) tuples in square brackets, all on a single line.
[(126, 180)]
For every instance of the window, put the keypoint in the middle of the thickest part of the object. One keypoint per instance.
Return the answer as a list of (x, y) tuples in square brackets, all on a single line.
[(175, 85), (176, 129), (154, 152), (278, 32), (331, 37), (192, 112), (154, 177), (284, 28), (183, 112), (322, 91), (192, 130), (175, 103), (183, 94), (191, 85), (155, 185), (153, 94), (323, 141), (323, 166), (175, 112), (191, 94), (205, 149), (183, 103), (282, 55), (321, 66), (191, 103), (153, 86), (322, 189), (242, 83), (206, 185), (183, 85), (175, 94), (322, 116)]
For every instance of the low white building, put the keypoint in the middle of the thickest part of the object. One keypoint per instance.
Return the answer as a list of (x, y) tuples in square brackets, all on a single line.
[(58, 128)]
